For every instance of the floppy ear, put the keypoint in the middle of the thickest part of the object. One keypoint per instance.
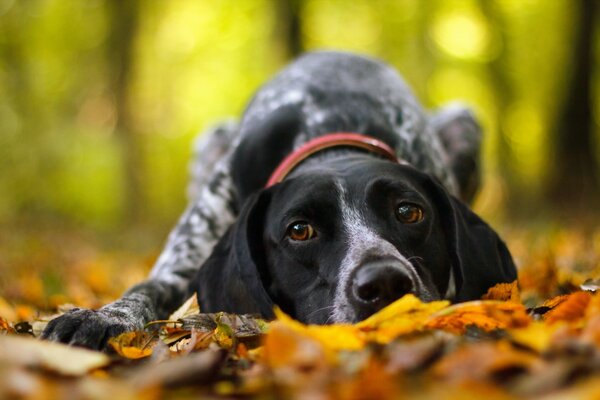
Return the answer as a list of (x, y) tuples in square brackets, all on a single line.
[(460, 133), (479, 258), (230, 280)]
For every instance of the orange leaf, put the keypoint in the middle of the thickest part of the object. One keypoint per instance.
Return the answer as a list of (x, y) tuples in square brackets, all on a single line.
[(570, 309), (504, 292), (133, 345), (487, 315), (5, 326)]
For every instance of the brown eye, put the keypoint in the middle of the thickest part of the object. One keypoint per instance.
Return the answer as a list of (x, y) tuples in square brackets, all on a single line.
[(301, 231), (409, 213)]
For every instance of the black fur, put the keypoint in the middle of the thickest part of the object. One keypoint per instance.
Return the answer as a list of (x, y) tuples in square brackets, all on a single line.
[(230, 244)]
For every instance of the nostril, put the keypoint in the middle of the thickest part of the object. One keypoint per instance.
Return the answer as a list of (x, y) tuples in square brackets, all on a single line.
[(367, 291), (375, 283)]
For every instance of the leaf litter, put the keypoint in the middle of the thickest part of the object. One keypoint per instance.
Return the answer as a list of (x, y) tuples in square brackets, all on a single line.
[(536, 339)]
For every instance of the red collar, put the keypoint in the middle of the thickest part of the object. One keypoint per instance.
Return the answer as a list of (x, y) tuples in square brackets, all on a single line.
[(325, 142)]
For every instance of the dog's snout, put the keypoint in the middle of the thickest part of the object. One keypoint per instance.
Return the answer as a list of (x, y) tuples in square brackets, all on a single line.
[(378, 284)]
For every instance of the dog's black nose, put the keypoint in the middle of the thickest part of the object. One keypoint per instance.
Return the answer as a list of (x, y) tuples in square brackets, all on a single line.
[(377, 284)]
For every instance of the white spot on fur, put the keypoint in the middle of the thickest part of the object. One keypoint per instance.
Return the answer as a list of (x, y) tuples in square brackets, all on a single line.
[(363, 242)]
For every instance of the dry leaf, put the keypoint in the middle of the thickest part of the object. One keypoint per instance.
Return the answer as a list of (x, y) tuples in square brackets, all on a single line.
[(194, 369), (294, 357), (133, 345), (504, 292), (189, 308), (5, 327), (54, 357), (570, 309), (537, 336), (480, 361), (487, 315), (333, 337), (406, 315)]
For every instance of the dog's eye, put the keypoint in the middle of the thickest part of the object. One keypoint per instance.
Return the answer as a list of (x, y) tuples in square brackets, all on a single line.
[(301, 231), (409, 213)]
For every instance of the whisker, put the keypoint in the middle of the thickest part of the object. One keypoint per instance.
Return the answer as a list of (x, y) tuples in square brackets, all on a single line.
[(319, 310)]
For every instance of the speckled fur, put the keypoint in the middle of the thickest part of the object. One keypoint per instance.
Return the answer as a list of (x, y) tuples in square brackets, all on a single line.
[(314, 84)]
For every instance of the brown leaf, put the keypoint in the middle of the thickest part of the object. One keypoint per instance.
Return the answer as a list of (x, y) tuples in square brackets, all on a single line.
[(295, 358), (55, 357), (483, 361), (413, 353), (187, 309), (196, 368)]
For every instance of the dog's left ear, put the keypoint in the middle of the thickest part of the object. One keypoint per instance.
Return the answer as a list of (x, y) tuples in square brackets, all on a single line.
[(460, 134), (479, 258), (230, 280)]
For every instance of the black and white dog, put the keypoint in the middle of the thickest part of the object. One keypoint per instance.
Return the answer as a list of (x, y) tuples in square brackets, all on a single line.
[(334, 196)]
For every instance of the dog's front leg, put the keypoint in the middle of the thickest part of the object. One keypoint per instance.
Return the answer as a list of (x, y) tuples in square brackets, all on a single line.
[(189, 245)]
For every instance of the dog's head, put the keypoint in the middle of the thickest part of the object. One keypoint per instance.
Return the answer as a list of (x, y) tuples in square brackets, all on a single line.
[(340, 244)]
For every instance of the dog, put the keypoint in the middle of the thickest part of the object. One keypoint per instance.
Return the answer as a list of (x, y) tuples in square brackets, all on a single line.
[(335, 195)]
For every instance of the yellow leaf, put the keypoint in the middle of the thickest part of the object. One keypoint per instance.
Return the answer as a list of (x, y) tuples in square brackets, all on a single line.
[(286, 347), (537, 336), (133, 345), (334, 337), (404, 316)]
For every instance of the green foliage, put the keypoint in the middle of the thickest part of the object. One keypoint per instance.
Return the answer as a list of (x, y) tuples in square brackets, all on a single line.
[(67, 136)]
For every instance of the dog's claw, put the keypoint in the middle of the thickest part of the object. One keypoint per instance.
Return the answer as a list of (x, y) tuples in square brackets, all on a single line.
[(87, 328)]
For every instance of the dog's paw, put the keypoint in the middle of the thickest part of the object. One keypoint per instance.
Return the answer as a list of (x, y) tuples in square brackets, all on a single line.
[(88, 328)]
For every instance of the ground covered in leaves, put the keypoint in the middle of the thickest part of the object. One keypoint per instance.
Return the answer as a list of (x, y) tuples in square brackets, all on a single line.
[(537, 339)]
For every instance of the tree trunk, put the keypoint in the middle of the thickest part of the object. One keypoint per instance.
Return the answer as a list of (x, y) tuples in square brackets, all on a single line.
[(573, 183), (288, 28), (124, 18)]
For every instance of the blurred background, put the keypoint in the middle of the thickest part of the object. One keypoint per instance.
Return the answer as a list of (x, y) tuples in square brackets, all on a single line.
[(100, 101)]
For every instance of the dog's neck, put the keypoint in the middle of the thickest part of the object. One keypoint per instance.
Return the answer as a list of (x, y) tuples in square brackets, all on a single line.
[(326, 143)]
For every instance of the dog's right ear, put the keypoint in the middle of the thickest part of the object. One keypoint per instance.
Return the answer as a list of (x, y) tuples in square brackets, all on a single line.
[(230, 280)]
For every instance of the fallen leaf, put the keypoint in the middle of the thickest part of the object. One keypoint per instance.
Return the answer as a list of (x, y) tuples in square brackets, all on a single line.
[(5, 327), (485, 314), (54, 357), (133, 345), (294, 357), (483, 361), (187, 309), (504, 292), (414, 353), (333, 337), (572, 308), (193, 369), (537, 336), (406, 315)]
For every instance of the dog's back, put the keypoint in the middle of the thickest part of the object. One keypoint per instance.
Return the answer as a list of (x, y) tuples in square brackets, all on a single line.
[(327, 92)]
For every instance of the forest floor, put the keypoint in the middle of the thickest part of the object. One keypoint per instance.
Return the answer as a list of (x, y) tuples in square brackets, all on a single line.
[(540, 339)]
